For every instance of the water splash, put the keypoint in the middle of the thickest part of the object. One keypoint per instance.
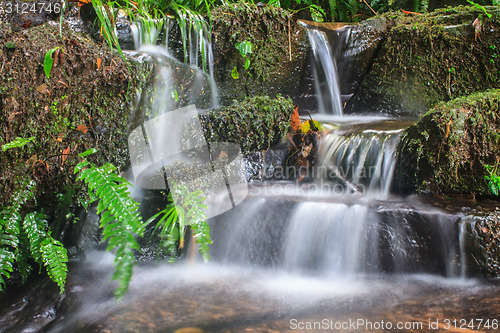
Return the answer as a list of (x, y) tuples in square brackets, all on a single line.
[(366, 160)]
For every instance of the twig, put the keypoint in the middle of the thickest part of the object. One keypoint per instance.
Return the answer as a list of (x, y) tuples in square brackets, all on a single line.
[(289, 39), (374, 12)]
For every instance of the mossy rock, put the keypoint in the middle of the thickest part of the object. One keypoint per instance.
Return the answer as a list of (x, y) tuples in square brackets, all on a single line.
[(446, 149), (430, 58), (279, 63), (85, 104), (255, 123)]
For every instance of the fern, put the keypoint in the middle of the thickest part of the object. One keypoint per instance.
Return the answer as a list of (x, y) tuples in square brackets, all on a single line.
[(10, 227), (120, 219), (45, 250), (186, 209)]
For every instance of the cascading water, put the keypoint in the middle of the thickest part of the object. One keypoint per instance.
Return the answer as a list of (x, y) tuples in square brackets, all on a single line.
[(365, 160), (326, 74), (198, 53), (288, 252)]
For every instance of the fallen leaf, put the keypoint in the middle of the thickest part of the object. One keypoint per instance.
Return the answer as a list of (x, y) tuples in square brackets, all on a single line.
[(31, 161), (43, 89), (82, 128), (60, 137), (99, 63), (295, 121), (448, 127), (410, 13), (65, 154)]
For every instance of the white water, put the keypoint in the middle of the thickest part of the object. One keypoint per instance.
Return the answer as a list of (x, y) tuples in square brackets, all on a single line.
[(365, 159), (328, 91), (146, 35)]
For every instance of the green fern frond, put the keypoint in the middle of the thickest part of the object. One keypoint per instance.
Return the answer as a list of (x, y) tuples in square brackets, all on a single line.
[(45, 250), (10, 228), (120, 219), (55, 259)]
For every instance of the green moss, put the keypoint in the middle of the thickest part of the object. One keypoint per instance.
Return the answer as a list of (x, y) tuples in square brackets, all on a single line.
[(254, 123), (77, 94), (433, 57), (274, 67), (446, 149)]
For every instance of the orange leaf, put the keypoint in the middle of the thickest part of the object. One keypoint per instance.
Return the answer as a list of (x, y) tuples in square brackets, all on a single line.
[(408, 12), (60, 137), (82, 128), (295, 121), (99, 63), (65, 154)]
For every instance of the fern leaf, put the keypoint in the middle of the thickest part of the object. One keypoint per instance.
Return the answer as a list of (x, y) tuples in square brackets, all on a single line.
[(45, 250), (120, 219), (55, 258)]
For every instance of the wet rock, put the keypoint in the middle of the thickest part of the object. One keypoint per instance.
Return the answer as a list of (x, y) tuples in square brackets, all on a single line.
[(429, 58), (279, 63), (444, 152)]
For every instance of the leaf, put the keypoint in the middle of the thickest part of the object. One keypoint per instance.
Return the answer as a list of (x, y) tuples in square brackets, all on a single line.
[(245, 48), (43, 89), (82, 128), (99, 63), (48, 62), (307, 126), (234, 73), (88, 152), (17, 143), (295, 120), (65, 154), (10, 45), (247, 63)]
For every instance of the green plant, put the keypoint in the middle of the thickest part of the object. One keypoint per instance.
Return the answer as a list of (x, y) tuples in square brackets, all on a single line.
[(493, 178), (245, 49), (17, 143), (184, 209), (106, 13), (48, 61), (18, 233), (478, 6), (120, 219)]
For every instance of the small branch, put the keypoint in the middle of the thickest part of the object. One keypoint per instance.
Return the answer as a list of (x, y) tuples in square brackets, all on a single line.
[(289, 39), (374, 12)]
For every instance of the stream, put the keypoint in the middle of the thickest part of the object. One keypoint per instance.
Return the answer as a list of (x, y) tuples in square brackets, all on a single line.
[(343, 253)]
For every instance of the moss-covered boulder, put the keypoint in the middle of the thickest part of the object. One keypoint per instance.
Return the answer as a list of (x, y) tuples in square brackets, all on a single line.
[(84, 104), (430, 58), (279, 60), (446, 149), (255, 123)]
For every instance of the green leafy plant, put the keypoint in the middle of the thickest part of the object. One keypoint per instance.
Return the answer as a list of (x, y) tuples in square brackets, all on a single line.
[(478, 6), (120, 219), (106, 13), (17, 234), (48, 61), (17, 143), (245, 49), (172, 222), (493, 178)]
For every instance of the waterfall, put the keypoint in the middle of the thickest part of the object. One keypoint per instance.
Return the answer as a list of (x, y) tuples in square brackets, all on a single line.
[(325, 73), (199, 53), (340, 238), (364, 159)]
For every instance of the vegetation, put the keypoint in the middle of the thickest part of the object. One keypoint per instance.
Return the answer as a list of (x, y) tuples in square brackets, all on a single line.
[(446, 149), (493, 178), (254, 123), (26, 241)]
